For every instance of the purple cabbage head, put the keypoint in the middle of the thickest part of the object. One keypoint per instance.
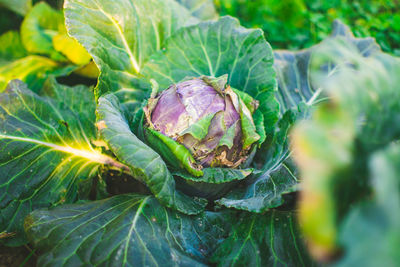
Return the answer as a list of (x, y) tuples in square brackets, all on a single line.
[(204, 115)]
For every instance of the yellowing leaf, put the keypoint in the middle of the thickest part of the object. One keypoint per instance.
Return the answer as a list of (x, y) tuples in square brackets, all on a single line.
[(69, 47)]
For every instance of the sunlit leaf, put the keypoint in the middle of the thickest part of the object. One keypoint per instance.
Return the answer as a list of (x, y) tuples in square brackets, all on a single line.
[(46, 151)]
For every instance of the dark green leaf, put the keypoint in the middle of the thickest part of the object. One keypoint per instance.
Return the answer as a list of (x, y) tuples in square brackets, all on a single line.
[(264, 191), (363, 116), (378, 218), (145, 163), (126, 230), (276, 175), (271, 239), (11, 47), (46, 151), (214, 183), (294, 70), (218, 175)]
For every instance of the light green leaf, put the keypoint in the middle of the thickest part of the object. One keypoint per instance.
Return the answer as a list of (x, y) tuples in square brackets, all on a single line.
[(46, 151), (121, 35), (199, 129), (174, 153), (229, 136), (145, 163), (250, 134), (258, 118), (39, 27), (19, 6), (202, 9), (271, 239), (125, 230), (33, 70)]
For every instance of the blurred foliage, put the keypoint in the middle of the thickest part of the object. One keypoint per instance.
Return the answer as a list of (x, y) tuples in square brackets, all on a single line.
[(295, 24), (348, 159)]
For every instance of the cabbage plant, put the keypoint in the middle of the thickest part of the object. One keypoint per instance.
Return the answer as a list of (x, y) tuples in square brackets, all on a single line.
[(180, 154), (41, 48)]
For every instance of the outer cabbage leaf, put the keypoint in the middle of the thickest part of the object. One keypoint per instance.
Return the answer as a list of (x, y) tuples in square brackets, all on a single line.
[(271, 239), (294, 69), (146, 165), (362, 116), (214, 183), (202, 9), (121, 35), (125, 230), (276, 175), (45, 151)]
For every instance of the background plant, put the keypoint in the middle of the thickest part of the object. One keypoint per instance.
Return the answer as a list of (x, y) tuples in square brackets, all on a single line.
[(298, 24)]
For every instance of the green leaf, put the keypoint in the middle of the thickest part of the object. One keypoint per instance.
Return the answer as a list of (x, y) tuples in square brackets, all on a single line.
[(46, 151), (377, 218), (250, 103), (228, 138), (174, 153), (33, 70), (39, 27), (125, 230), (11, 47), (121, 35), (276, 175), (144, 162), (214, 183), (218, 175), (295, 73), (19, 6), (258, 118), (362, 117), (216, 48), (202, 9), (250, 134), (265, 191), (199, 129), (271, 239)]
